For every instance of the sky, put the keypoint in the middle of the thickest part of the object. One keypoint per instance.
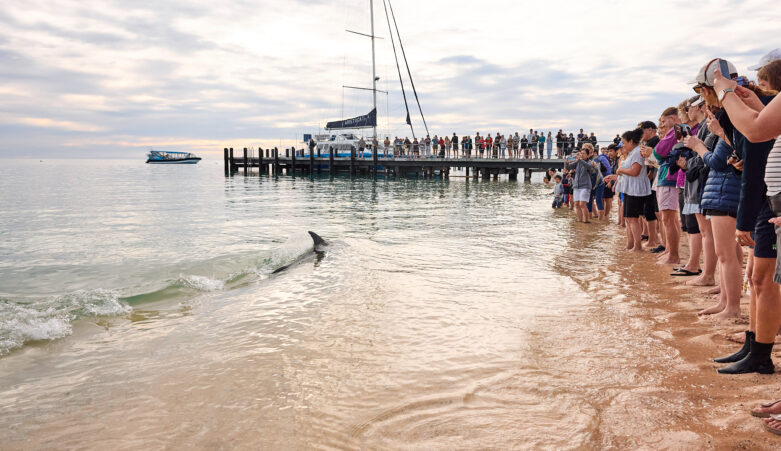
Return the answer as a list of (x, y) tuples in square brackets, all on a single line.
[(111, 78)]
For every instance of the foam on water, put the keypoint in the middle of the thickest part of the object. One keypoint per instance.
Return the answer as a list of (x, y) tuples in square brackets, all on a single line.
[(202, 283), (51, 318)]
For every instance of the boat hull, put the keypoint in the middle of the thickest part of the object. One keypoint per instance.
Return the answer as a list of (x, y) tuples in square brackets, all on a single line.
[(183, 161)]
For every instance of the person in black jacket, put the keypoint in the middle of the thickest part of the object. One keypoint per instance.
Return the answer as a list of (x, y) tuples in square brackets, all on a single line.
[(753, 229)]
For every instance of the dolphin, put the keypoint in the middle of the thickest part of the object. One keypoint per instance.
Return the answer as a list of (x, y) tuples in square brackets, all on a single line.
[(295, 248)]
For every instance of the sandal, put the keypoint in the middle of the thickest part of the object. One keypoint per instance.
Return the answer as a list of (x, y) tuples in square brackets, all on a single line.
[(685, 272), (765, 405)]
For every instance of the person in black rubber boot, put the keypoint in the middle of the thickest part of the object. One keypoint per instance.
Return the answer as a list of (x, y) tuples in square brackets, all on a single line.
[(742, 353), (757, 361)]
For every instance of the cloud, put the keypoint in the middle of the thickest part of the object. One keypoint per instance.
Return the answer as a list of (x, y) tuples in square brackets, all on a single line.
[(111, 74)]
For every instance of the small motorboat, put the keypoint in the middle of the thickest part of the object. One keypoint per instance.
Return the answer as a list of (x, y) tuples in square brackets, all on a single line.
[(162, 157)]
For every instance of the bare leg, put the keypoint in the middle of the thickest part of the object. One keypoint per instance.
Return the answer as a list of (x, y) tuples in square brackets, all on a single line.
[(633, 230), (722, 304), (695, 249), (752, 311), (653, 236), (768, 309), (708, 254), (669, 218), (724, 236)]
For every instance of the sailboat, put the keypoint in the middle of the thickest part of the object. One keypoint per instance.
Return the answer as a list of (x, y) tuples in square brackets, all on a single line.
[(345, 143)]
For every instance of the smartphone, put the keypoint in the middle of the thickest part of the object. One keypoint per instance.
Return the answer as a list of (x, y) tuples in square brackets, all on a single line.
[(678, 131), (724, 68), (742, 81), (685, 130)]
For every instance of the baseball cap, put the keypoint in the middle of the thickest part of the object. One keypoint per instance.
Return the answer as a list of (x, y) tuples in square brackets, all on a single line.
[(647, 124), (698, 102), (771, 56), (707, 73)]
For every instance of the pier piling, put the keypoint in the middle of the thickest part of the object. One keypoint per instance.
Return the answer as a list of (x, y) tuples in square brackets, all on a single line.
[(227, 167)]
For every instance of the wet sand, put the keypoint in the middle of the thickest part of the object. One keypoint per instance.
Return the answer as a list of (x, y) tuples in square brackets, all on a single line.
[(690, 405)]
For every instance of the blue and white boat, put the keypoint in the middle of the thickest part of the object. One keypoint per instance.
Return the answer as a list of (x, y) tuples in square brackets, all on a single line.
[(163, 157)]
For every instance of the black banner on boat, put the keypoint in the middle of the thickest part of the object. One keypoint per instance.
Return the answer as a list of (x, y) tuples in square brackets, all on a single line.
[(367, 120)]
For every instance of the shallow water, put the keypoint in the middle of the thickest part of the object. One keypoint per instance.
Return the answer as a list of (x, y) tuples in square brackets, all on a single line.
[(138, 310)]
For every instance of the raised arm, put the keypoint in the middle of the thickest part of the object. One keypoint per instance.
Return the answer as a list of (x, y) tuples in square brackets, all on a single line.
[(756, 126)]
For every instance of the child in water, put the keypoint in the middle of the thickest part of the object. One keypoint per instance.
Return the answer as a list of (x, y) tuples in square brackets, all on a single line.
[(558, 193)]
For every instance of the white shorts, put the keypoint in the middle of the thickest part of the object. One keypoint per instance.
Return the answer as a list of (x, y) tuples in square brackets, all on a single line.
[(582, 194)]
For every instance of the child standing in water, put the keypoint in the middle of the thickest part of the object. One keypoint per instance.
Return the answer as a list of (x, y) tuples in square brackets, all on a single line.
[(558, 193)]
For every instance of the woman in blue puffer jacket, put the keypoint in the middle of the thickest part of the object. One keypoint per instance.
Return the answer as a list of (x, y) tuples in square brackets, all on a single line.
[(719, 202)]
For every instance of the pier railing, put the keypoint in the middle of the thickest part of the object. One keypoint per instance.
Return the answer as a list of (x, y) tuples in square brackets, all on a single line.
[(292, 161)]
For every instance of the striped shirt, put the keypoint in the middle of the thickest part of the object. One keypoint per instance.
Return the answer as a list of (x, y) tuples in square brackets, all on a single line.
[(773, 169)]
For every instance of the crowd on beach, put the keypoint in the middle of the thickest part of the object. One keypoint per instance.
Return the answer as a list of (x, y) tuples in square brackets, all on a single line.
[(709, 169), (534, 144)]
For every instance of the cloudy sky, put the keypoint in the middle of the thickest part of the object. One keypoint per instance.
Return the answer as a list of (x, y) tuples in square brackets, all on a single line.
[(110, 77)]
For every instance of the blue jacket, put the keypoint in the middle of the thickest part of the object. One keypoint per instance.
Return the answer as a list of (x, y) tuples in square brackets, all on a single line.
[(753, 189), (722, 189)]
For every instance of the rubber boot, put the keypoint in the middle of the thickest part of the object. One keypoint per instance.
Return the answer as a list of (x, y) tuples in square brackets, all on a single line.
[(738, 356), (757, 361)]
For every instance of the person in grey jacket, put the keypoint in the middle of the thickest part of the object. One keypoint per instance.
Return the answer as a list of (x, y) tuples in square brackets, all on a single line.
[(581, 185)]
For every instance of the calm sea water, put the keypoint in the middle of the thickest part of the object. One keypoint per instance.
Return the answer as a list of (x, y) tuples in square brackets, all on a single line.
[(138, 309)]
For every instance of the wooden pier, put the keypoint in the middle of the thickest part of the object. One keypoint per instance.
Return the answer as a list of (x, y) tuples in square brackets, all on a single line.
[(293, 161)]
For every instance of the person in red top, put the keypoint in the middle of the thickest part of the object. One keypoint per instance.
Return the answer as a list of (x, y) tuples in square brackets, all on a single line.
[(489, 142), (441, 147)]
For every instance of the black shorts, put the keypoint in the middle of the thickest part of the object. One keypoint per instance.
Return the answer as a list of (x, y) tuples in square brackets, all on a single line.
[(651, 207), (690, 224), (764, 234), (634, 205), (608, 193)]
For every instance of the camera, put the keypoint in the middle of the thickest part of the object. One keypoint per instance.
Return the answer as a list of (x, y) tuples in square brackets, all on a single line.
[(682, 131)]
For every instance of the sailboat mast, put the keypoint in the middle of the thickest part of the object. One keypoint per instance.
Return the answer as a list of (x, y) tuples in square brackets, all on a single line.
[(374, 67)]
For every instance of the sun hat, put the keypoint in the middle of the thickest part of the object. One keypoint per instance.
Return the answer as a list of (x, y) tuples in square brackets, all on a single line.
[(771, 56), (707, 74)]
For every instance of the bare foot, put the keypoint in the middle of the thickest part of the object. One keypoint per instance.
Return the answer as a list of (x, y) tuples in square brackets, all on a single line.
[(712, 310), (728, 314), (702, 281), (714, 290), (669, 261), (773, 425), (739, 337)]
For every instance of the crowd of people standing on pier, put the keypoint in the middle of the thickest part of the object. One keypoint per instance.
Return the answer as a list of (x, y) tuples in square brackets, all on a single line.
[(709, 169), (534, 144)]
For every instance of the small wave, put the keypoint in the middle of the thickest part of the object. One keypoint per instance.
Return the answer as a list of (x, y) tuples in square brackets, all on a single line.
[(51, 318), (202, 283)]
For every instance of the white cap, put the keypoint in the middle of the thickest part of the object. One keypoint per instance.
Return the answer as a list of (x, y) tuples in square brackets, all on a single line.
[(707, 74), (773, 55), (698, 102)]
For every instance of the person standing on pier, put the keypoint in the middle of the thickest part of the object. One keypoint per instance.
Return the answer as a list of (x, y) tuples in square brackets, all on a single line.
[(525, 147), (549, 143), (454, 142)]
